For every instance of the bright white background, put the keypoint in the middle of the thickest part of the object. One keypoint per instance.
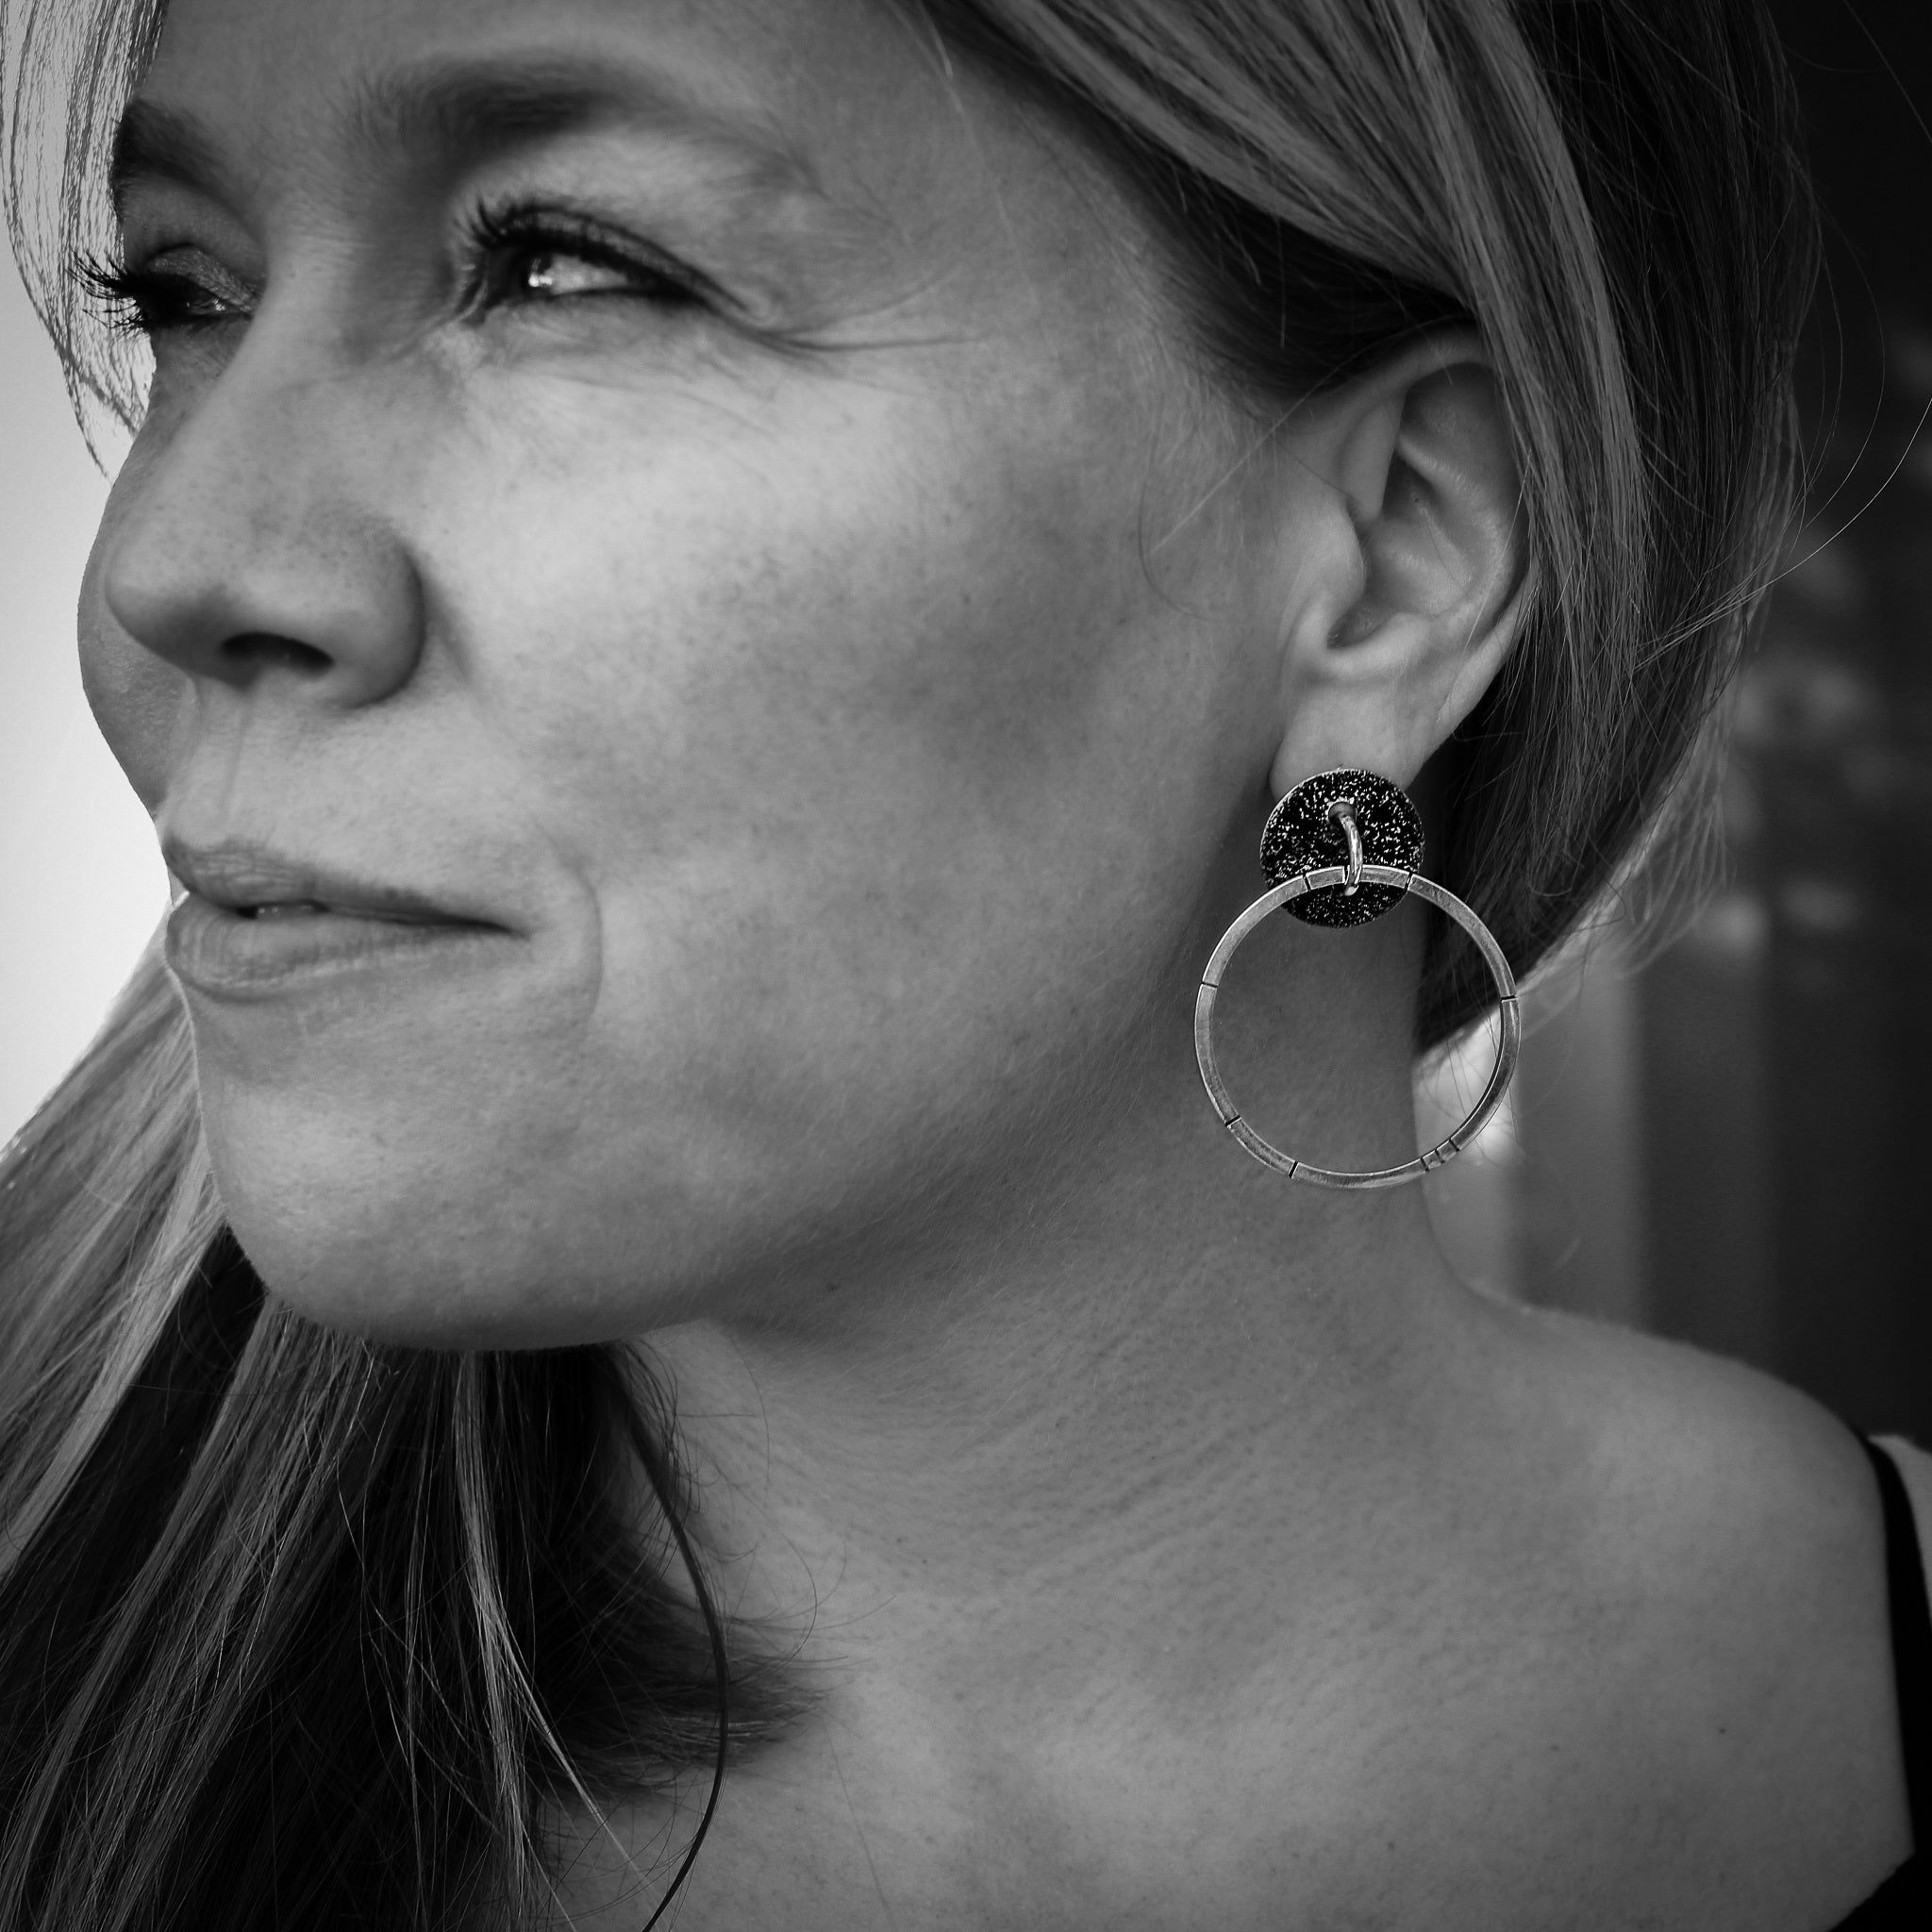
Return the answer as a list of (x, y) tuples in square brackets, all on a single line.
[(81, 886)]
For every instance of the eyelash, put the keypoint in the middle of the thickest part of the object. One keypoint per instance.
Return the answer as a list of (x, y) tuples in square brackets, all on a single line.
[(143, 301), (495, 240)]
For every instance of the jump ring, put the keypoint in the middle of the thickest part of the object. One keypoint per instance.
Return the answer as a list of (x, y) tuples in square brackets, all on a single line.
[(1342, 812)]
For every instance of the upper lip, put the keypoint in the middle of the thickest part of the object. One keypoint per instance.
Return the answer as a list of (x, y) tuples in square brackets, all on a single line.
[(242, 877)]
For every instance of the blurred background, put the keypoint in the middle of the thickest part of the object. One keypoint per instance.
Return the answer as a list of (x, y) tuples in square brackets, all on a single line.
[(1725, 1142)]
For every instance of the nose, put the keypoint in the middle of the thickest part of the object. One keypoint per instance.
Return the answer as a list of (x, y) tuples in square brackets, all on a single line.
[(254, 548)]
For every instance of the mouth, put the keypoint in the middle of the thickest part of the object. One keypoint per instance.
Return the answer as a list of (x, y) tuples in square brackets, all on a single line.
[(252, 922), (281, 908)]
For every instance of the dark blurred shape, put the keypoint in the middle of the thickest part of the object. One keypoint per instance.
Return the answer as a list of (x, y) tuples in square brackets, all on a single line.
[(1785, 1044)]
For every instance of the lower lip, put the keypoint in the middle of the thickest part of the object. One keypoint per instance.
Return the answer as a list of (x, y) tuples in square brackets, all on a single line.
[(218, 951)]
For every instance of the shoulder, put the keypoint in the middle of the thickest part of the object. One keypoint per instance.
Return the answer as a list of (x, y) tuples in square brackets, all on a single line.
[(1717, 1491), (1729, 1532), (1753, 1471)]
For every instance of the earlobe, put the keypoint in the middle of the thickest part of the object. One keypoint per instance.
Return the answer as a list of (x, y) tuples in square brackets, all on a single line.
[(1423, 462)]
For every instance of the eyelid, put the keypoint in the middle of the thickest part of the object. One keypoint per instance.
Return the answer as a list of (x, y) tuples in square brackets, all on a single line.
[(190, 262)]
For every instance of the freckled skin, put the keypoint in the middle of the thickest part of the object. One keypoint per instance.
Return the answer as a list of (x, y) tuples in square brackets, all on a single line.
[(800, 690)]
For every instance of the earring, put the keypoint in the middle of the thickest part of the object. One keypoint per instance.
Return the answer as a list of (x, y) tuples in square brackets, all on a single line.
[(1342, 848)]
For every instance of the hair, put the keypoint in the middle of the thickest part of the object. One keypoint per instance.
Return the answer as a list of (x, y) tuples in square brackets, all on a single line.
[(298, 1630)]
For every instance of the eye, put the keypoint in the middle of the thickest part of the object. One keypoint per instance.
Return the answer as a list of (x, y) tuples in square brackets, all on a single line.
[(548, 273), (525, 257), (178, 288)]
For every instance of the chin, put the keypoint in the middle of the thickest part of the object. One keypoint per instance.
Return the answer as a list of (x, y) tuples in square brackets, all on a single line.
[(409, 1250)]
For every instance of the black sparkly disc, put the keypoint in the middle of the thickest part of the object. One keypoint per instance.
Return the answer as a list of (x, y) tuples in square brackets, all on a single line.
[(1301, 835)]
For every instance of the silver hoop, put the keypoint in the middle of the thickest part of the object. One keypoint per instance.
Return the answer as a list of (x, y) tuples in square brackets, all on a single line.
[(1508, 1048)]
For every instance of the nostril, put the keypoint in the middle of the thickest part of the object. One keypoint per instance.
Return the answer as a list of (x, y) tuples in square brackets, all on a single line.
[(263, 651)]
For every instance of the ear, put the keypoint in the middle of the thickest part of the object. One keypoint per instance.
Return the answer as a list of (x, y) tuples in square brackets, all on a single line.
[(1411, 613)]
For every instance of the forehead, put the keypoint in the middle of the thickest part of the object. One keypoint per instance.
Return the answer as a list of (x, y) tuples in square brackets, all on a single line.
[(741, 53), (852, 96)]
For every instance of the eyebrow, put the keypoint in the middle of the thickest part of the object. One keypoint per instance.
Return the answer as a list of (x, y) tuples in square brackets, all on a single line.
[(156, 142), (458, 113)]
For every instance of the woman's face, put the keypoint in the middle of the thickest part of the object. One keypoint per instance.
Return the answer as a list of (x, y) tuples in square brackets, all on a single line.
[(685, 624)]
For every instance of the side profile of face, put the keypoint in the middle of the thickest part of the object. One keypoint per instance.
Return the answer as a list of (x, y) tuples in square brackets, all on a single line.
[(683, 615)]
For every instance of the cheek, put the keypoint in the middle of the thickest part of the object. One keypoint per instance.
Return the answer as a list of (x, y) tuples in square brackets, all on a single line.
[(871, 653), (846, 727)]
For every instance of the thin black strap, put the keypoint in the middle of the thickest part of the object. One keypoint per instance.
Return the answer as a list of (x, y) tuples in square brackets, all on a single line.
[(1911, 1640)]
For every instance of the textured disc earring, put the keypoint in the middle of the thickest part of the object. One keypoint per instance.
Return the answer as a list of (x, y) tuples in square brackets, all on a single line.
[(1342, 847)]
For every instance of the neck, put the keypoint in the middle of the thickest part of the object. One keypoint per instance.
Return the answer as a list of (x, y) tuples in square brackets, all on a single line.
[(1149, 1362)]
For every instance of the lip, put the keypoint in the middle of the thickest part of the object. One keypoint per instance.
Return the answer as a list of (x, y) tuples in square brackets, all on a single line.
[(254, 922)]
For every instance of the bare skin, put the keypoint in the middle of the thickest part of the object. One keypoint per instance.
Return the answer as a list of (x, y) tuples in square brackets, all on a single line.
[(793, 599), (1608, 1651)]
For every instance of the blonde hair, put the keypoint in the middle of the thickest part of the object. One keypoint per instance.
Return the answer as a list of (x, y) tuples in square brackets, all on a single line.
[(221, 1528)]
